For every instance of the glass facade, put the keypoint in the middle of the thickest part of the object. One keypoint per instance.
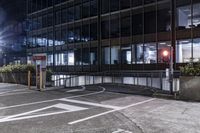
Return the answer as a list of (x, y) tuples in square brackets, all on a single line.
[(117, 33)]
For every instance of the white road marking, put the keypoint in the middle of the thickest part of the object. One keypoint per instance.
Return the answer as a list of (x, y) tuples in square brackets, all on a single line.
[(22, 116), (4, 92), (18, 93), (111, 111), (90, 103), (76, 90), (52, 100), (122, 131)]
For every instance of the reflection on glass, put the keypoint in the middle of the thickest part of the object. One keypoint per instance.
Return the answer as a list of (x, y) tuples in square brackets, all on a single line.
[(150, 53), (196, 49), (126, 55), (161, 47), (183, 51)]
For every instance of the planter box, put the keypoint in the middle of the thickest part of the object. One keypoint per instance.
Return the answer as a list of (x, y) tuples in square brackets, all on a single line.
[(190, 88)]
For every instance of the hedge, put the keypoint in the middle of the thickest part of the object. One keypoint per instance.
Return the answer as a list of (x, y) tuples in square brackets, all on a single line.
[(23, 69)]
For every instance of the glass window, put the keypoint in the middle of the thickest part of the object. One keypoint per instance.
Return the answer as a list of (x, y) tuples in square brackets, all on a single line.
[(86, 10), (93, 31), (196, 49), (114, 26), (106, 55), (71, 59), (50, 60), (137, 3), (60, 59), (78, 57), (137, 23), (150, 20), (140, 53), (114, 5), (49, 3), (58, 40), (150, 53), (70, 35), (86, 56), (64, 16), (77, 34), (58, 17), (196, 14), (44, 21), (50, 39), (50, 19), (85, 33), (125, 4), (93, 56), (39, 22), (93, 8), (161, 47), (115, 55), (64, 35), (104, 6), (77, 13), (163, 17), (105, 29), (183, 14), (125, 25), (126, 54), (183, 51), (149, 1), (70, 14)]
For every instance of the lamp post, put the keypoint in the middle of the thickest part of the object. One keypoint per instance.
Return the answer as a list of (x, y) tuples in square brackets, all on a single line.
[(171, 70), (168, 58)]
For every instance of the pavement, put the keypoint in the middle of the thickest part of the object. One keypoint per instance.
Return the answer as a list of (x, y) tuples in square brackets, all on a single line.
[(92, 109)]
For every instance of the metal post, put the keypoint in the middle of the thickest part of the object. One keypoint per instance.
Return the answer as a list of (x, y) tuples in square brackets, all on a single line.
[(29, 79), (171, 71)]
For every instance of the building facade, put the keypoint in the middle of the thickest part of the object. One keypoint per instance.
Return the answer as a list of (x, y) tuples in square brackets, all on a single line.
[(82, 36)]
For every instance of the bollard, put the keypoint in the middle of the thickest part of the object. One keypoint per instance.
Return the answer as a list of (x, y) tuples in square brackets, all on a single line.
[(29, 79)]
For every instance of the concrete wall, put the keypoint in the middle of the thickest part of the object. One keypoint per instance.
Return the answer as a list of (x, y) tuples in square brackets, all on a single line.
[(141, 81), (16, 78), (190, 88)]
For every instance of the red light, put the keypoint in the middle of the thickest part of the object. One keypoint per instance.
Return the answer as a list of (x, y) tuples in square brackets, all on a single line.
[(165, 53)]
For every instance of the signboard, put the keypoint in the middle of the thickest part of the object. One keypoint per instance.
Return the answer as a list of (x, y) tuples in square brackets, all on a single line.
[(40, 63), (39, 58)]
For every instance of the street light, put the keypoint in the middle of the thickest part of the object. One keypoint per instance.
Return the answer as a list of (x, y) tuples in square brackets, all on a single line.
[(167, 57)]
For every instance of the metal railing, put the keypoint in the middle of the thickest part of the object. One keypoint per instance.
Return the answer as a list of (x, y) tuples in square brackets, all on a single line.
[(152, 79)]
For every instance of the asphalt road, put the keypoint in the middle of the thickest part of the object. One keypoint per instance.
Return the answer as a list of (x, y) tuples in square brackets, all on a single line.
[(92, 110)]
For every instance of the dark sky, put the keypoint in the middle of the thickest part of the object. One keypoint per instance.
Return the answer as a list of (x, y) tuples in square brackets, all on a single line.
[(12, 10)]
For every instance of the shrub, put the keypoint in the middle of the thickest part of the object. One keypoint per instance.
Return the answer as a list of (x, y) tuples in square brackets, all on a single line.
[(17, 68), (49, 75), (23, 69), (190, 69)]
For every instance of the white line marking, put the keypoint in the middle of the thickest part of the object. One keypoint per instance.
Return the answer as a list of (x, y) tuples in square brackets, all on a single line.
[(122, 131), (111, 111), (77, 90), (66, 107), (4, 92), (33, 103), (11, 94), (90, 103)]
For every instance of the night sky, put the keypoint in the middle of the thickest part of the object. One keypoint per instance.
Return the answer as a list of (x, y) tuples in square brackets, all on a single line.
[(12, 10)]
